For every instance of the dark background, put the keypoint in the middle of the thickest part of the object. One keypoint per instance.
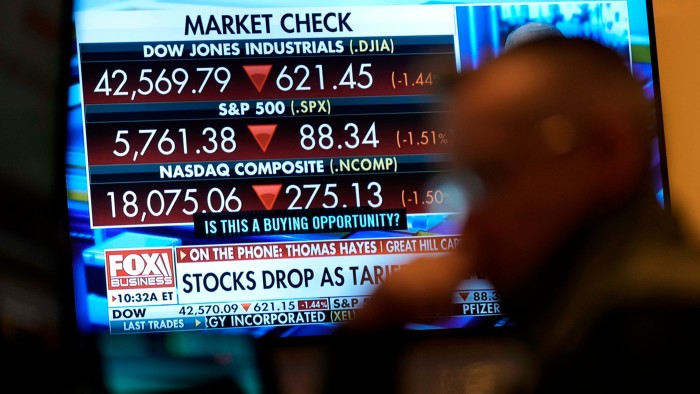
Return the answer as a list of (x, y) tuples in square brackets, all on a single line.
[(36, 322), (29, 230)]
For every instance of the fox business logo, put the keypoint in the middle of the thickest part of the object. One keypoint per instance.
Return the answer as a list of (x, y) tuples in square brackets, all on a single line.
[(138, 269)]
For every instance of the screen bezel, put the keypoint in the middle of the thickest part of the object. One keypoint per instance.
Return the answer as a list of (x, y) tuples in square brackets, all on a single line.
[(658, 108)]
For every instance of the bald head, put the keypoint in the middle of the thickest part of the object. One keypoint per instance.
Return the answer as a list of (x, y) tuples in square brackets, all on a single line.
[(576, 77), (556, 132), (557, 93), (529, 32)]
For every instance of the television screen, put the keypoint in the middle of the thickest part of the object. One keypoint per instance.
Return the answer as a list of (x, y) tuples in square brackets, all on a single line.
[(260, 167)]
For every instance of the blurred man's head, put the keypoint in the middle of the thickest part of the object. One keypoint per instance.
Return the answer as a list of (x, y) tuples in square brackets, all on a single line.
[(551, 134), (530, 31)]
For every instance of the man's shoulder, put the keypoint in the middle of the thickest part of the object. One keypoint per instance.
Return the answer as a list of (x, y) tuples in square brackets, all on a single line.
[(642, 265), (636, 332)]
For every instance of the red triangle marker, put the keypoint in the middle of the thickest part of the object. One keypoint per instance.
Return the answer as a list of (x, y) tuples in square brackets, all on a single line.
[(267, 194), (114, 298), (464, 295), (258, 74), (263, 134), (246, 306)]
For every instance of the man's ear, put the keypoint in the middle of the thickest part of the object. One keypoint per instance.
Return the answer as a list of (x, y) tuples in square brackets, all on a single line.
[(616, 154)]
